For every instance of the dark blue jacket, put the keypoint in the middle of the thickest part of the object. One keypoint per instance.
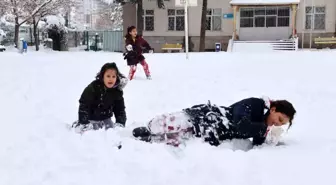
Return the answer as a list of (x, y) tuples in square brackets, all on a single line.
[(242, 120), (248, 119)]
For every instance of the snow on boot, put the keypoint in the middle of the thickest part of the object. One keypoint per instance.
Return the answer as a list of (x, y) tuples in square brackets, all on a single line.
[(142, 133)]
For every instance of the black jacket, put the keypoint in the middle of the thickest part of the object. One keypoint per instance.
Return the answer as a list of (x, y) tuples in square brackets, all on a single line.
[(131, 57), (242, 120), (248, 119), (137, 44), (98, 103)]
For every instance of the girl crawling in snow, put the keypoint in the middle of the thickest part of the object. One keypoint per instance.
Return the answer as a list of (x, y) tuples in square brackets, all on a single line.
[(248, 118), (102, 98)]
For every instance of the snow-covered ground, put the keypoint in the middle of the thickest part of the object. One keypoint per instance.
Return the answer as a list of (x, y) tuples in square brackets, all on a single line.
[(40, 90)]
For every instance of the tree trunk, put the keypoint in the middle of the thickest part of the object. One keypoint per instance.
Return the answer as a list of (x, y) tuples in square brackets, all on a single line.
[(139, 17), (67, 19), (203, 26), (35, 23), (31, 35), (16, 32)]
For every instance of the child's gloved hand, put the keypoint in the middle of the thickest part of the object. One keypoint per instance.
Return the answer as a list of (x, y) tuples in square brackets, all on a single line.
[(129, 47)]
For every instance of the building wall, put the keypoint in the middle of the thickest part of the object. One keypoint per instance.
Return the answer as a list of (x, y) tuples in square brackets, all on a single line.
[(330, 15), (129, 18), (162, 35), (265, 33), (92, 14), (161, 19), (330, 20)]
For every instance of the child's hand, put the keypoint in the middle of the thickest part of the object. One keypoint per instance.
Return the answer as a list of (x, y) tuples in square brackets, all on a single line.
[(129, 47)]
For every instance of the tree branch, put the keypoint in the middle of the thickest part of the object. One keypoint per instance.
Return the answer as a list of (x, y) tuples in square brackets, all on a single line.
[(35, 11)]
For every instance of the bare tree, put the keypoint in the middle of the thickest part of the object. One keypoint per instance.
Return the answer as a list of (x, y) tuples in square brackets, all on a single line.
[(19, 9), (110, 16), (53, 8)]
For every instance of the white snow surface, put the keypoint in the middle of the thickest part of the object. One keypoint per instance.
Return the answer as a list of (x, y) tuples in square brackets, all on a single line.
[(264, 2), (40, 90)]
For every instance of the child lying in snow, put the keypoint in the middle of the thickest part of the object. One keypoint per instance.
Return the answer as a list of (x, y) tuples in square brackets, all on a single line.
[(101, 99), (248, 118)]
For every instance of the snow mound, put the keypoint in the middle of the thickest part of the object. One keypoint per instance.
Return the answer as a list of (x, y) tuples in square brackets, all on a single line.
[(39, 96)]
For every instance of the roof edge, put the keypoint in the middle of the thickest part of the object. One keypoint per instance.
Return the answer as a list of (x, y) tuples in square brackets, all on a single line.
[(264, 3)]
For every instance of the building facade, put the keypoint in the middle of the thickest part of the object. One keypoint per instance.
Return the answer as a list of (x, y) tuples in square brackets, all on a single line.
[(238, 19), (96, 15)]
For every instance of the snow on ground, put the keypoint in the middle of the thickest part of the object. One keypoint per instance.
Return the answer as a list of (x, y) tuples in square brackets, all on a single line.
[(40, 90)]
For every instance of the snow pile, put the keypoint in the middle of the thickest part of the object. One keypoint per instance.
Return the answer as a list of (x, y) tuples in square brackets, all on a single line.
[(54, 20), (39, 95), (263, 2), (252, 47), (7, 20), (2, 33)]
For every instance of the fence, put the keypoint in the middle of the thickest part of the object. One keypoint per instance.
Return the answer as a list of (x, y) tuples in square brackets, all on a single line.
[(262, 46), (75, 38), (112, 41)]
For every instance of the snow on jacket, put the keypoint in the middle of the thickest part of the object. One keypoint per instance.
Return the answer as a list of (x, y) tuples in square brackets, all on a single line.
[(99, 103), (242, 120)]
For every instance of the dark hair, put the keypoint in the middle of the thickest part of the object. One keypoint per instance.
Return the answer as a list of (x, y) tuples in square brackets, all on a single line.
[(128, 35), (285, 107), (105, 67), (129, 29)]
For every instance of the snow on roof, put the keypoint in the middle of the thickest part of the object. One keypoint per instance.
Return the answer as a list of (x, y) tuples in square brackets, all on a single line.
[(263, 2)]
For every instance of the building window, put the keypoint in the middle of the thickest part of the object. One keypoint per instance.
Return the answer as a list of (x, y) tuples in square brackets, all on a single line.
[(148, 20), (214, 19), (175, 19), (315, 18), (246, 17), (283, 17), (264, 17)]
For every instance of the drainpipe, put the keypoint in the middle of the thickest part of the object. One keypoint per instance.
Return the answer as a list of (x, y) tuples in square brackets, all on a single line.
[(311, 24)]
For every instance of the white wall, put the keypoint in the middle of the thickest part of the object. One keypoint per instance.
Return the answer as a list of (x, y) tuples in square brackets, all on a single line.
[(161, 19)]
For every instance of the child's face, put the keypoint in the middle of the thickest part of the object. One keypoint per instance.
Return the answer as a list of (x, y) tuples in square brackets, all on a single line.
[(276, 118), (110, 78), (133, 33)]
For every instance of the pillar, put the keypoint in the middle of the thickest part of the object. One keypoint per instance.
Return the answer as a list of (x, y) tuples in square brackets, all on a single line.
[(235, 10), (294, 15)]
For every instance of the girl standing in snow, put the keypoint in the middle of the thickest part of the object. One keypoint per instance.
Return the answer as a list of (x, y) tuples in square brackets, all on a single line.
[(101, 99), (134, 44), (248, 118)]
